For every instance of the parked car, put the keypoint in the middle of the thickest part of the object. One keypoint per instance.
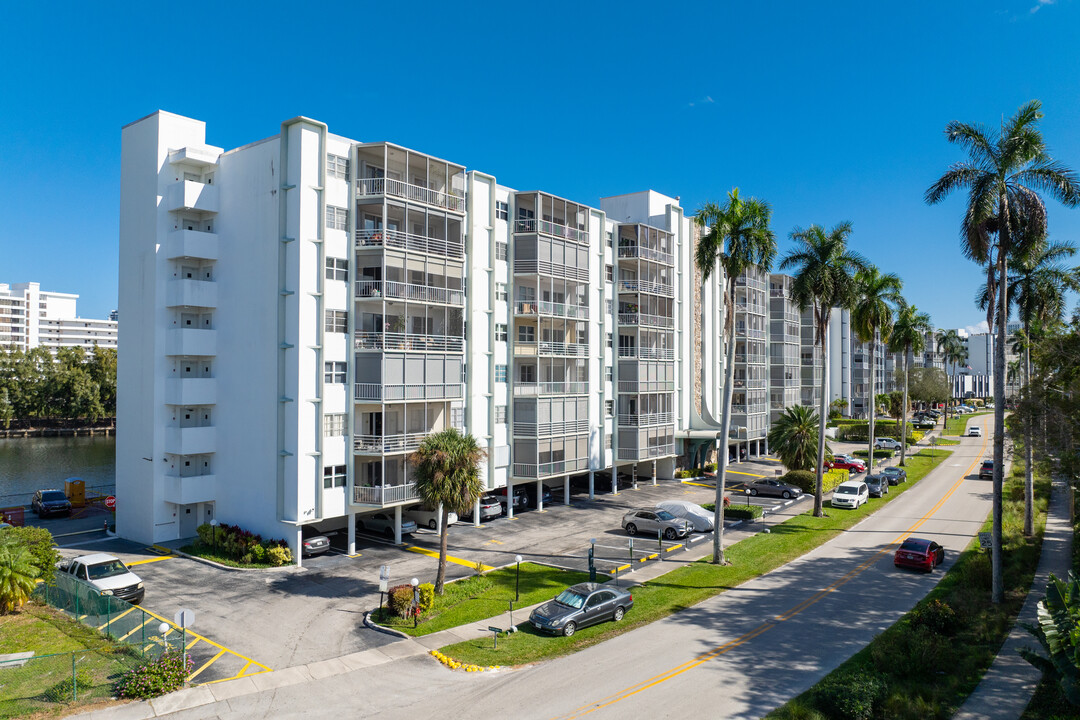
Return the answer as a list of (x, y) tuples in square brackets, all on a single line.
[(649, 521), (601, 482), (925, 424), (974, 431), (886, 443), (699, 517), (877, 485), (383, 523), (768, 486), (107, 574), (581, 605), (845, 462), (490, 507), (530, 495), (986, 470), (428, 517), (521, 497), (850, 494), (313, 542), (895, 475), (50, 502), (920, 554)]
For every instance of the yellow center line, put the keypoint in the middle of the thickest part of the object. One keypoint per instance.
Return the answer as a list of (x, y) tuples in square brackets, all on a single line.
[(816, 597), (207, 664), (150, 560), (449, 558)]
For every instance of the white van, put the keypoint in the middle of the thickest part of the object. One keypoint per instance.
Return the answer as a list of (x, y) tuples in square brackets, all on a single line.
[(850, 494)]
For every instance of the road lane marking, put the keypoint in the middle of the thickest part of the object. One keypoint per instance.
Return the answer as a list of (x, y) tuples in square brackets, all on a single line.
[(736, 472), (205, 665), (224, 650), (135, 629), (688, 482), (816, 597), (449, 558), (150, 560), (115, 618)]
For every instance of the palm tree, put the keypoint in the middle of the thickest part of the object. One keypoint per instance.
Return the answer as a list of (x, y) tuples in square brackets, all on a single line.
[(824, 279), (738, 237), (954, 350), (448, 477), (1003, 173), (872, 317), (17, 574), (794, 437), (908, 337)]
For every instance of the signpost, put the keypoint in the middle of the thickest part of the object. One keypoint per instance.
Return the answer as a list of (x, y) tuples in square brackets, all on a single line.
[(985, 541), (384, 582), (495, 635), (184, 619)]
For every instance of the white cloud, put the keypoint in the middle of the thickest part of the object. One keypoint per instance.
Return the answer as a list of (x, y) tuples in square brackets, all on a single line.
[(979, 327), (1040, 4), (707, 100)]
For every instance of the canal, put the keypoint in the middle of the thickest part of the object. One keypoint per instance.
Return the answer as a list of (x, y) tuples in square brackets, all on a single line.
[(29, 464)]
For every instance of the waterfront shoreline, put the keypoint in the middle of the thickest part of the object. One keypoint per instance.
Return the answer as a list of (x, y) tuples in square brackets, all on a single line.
[(57, 432)]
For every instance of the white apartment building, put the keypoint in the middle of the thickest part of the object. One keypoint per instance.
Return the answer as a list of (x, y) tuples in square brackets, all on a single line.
[(31, 317), (300, 312)]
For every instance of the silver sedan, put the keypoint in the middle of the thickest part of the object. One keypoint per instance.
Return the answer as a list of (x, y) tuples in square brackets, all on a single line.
[(651, 521)]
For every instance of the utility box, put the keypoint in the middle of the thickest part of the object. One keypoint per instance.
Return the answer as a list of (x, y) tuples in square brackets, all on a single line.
[(75, 489)]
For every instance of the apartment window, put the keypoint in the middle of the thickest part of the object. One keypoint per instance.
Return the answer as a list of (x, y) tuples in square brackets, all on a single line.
[(609, 373), (526, 334), (609, 340), (610, 243), (337, 269), (500, 413), (609, 273), (607, 442), (336, 218), (337, 321), (502, 210), (334, 373), (607, 305), (333, 477), (337, 166), (500, 373), (609, 407), (457, 418), (501, 251), (500, 291), (500, 332), (334, 425)]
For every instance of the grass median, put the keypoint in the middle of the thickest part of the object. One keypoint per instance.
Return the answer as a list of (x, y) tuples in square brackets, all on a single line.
[(958, 425), (690, 584), (926, 664)]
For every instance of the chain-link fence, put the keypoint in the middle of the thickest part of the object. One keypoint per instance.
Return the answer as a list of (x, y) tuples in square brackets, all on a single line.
[(43, 682)]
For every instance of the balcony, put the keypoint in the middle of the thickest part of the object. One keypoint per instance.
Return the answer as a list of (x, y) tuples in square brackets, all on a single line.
[(646, 453), (752, 308), (551, 349), (546, 227), (646, 386), (379, 444), (743, 281), (377, 187), (191, 244), (550, 388), (555, 270), (202, 156), (645, 419), (561, 467), (191, 195), (743, 332), (750, 358), (377, 289), (551, 309), (409, 241), (191, 293), (645, 320), (637, 251), (191, 391), (384, 494), (188, 490), (190, 440), (187, 341), (408, 341), (568, 427), (653, 288), (376, 392), (750, 409), (752, 384)]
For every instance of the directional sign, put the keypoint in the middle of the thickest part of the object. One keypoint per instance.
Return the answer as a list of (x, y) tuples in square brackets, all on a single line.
[(494, 629), (110, 502)]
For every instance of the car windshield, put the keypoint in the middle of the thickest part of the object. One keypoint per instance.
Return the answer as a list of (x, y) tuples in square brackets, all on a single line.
[(891, 471), (53, 495), (845, 490), (664, 515), (108, 569), (571, 599)]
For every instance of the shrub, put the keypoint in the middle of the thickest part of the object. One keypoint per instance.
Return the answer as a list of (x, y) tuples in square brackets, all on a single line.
[(851, 695), (66, 690), (744, 512), (934, 616), (258, 553), (39, 542), (155, 677), (206, 534), (804, 479), (399, 600), (711, 467), (427, 596), (278, 555)]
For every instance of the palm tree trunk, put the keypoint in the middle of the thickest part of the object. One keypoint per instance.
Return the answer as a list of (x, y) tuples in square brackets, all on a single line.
[(903, 412), (440, 578), (822, 420), (1029, 475), (870, 402), (725, 426), (997, 593)]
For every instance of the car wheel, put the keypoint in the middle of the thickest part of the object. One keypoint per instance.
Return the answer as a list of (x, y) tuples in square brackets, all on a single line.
[(570, 629), (753, 492), (631, 529), (432, 524), (670, 534), (786, 495), (619, 612)]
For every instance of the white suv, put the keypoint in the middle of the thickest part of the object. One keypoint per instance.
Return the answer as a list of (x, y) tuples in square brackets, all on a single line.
[(107, 574), (850, 494)]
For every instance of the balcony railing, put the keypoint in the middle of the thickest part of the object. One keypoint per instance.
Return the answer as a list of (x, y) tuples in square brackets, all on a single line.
[(752, 384), (646, 452), (551, 309), (367, 187), (749, 408), (653, 288), (546, 227), (743, 281), (645, 419), (551, 388), (646, 320), (750, 358), (408, 341), (637, 251), (410, 391), (755, 308), (556, 270), (402, 442), (409, 241), (384, 494), (527, 470), (650, 353), (408, 291), (741, 331), (548, 348), (568, 427), (646, 386)]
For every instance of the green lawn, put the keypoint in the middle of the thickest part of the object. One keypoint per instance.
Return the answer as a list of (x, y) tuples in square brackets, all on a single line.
[(958, 425), (927, 673), (691, 584), (484, 596), (946, 441)]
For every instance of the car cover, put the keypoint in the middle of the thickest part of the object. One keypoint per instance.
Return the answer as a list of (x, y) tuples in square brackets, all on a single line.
[(699, 517)]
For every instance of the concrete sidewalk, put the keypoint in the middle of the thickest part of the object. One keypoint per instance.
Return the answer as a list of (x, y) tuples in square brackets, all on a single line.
[(1009, 684)]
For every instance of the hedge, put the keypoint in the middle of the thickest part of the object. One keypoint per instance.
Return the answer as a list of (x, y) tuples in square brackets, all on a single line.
[(244, 546), (744, 512), (807, 480)]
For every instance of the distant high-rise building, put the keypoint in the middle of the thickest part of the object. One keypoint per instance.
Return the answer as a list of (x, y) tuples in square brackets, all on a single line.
[(31, 317)]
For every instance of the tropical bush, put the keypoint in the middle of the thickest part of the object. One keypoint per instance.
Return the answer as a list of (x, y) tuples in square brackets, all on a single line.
[(427, 596), (155, 677), (400, 598), (744, 512), (242, 545), (831, 478), (1058, 632), (17, 575), (39, 542), (278, 555), (851, 695), (935, 616), (803, 479)]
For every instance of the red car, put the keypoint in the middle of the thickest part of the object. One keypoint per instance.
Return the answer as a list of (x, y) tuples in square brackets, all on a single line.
[(919, 554), (843, 462)]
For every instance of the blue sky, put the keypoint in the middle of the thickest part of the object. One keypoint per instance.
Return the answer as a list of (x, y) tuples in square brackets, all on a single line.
[(830, 111)]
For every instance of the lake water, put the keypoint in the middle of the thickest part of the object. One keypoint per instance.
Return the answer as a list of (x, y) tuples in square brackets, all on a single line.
[(29, 464)]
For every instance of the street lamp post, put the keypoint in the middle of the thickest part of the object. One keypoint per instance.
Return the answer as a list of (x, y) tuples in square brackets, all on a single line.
[(592, 563), (214, 525), (415, 601), (747, 497), (517, 581)]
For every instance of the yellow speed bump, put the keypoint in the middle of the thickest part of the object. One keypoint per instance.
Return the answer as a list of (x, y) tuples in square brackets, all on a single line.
[(150, 560)]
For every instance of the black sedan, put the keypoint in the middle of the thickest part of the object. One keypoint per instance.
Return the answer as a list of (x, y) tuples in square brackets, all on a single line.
[(768, 486), (581, 605), (896, 475), (50, 502), (878, 485)]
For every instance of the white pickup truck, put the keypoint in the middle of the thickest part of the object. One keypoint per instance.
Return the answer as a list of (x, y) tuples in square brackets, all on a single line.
[(106, 573)]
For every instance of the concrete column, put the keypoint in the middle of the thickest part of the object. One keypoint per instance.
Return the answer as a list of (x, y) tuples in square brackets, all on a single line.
[(653, 472), (476, 513), (633, 476), (592, 480), (566, 490), (352, 532), (397, 524), (614, 479), (510, 498), (540, 495)]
